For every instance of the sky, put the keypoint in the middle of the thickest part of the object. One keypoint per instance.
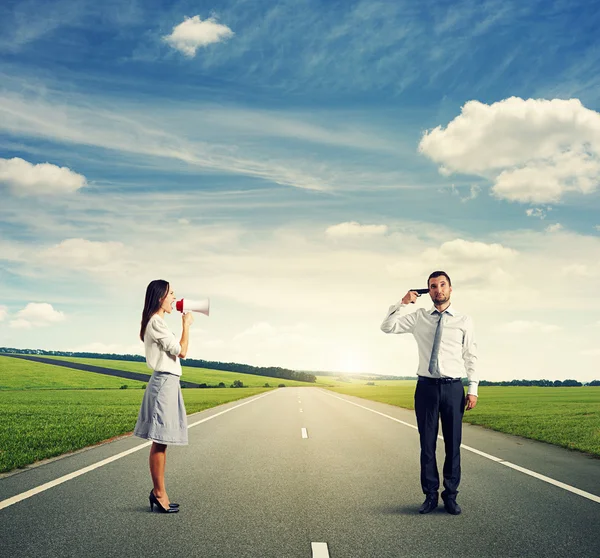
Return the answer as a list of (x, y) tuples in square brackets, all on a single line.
[(303, 164)]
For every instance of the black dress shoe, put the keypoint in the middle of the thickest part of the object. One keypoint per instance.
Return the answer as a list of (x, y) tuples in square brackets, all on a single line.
[(451, 506), (430, 503)]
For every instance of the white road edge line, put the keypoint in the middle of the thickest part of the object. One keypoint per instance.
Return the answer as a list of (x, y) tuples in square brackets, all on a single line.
[(544, 478), (43, 487), (319, 550), (304, 433)]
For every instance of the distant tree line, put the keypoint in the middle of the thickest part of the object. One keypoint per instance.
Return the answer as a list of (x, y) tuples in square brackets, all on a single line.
[(541, 383), (272, 371)]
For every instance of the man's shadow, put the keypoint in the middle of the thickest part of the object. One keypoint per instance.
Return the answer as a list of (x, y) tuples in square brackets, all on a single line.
[(405, 510)]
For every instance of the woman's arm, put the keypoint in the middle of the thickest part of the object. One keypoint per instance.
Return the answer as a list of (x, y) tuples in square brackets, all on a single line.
[(187, 320)]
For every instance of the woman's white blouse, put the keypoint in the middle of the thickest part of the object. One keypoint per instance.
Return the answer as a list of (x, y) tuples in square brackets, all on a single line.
[(162, 347)]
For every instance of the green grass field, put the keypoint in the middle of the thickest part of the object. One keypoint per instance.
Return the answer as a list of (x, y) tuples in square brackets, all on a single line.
[(38, 424), (191, 373), (25, 374), (563, 416)]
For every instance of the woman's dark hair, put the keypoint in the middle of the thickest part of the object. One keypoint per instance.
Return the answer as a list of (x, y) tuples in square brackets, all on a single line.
[(439, 274), (155, 292)]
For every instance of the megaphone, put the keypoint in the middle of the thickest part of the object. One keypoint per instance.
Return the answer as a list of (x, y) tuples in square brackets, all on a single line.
[(187, 305)]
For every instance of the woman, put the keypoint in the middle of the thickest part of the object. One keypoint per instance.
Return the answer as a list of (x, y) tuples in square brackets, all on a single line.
[(162, 417)]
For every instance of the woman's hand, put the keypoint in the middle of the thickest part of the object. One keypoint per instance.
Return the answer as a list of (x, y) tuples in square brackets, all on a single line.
[(187, 319)]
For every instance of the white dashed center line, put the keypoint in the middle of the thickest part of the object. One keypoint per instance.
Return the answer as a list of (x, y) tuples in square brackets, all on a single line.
[(304, 433), (319, 550)]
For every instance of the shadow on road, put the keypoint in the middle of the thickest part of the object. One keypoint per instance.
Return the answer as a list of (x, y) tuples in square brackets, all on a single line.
[(400, 510)]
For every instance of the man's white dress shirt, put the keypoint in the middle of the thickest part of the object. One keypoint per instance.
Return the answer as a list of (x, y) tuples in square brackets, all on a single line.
[(162, 347), (458, 350)]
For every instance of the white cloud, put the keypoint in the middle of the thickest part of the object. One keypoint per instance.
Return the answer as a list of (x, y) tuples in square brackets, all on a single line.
[(546, 180), (25, 179), (354, 229), (533, 150), (554, 228), (339, 290), (258, 329), (37, 314), (473, 263), (314, 126), (523, 326), (578, 270), (3, 313), (591, 352), (474, 191), (465, 250), (27, 22), (79, 253), (262, 340), (597, 227), (537, 212), (194, 33), (179, 137)]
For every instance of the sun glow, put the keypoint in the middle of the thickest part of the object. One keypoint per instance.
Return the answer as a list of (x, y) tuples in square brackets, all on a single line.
[(351, 361)]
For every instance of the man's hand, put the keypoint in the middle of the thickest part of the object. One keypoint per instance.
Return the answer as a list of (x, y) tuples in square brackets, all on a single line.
[(410, 297), (471, 402)]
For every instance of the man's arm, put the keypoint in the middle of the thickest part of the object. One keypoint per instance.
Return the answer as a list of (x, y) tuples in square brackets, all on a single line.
[(469, 354), (397, 321)]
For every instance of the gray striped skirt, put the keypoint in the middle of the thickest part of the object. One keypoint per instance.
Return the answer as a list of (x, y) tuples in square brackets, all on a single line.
[(162, 417)]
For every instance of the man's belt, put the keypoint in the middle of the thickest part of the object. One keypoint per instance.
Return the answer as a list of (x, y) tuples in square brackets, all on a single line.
[(438, 381)]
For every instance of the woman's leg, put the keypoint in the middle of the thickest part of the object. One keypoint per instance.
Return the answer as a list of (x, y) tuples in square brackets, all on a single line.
[(158, 460)]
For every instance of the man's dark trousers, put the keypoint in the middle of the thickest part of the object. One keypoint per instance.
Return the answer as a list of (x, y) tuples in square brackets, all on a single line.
[(437, 398)]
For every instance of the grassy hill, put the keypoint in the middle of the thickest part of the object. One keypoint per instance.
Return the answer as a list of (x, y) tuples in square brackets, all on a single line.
[(190, 373), (26, 375)]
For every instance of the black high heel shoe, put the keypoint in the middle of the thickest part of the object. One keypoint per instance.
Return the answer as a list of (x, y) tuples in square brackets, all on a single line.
[(171, 505), (154, 502)]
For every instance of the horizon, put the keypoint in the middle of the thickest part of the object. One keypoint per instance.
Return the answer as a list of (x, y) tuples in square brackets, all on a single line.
[(314, 372), (303, 169)]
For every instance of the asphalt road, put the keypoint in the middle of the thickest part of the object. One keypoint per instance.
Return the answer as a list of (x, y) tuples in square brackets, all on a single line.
[(250, 485)]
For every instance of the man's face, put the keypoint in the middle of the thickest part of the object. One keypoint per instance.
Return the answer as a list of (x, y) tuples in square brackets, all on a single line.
[(439, 290)]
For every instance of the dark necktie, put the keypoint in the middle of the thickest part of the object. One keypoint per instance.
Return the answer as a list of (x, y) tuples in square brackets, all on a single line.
[(434, 365)]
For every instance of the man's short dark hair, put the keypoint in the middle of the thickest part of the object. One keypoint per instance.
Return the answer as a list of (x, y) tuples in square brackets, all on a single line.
[(439, 274)]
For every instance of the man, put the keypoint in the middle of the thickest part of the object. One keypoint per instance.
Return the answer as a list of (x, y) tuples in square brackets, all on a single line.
[(446, 349)]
